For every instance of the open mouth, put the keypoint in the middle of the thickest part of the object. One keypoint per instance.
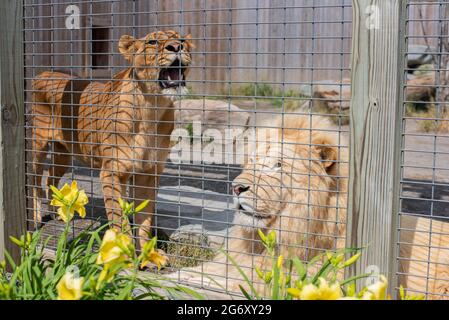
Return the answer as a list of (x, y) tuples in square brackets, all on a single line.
[(251, 214), (173, 75)]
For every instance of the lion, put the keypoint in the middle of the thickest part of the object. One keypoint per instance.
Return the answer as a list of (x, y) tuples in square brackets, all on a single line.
[(423, 256), (295, 182), (121, 127)]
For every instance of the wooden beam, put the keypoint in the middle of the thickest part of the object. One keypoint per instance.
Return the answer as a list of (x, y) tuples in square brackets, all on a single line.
[(376, 104), (12, 132)]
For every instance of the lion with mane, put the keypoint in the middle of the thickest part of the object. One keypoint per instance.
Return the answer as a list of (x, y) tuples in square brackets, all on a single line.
[(294, 182)]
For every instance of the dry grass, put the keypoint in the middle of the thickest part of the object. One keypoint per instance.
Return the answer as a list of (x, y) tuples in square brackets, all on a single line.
[(266, 93), (338, 117), (189, 252), (431, 120)]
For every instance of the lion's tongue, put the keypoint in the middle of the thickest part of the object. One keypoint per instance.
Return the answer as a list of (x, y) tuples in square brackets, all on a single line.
[(173, 74)]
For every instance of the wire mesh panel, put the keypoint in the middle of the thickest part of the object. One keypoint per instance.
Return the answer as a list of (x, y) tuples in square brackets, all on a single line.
[(230, 116), (424, 225)]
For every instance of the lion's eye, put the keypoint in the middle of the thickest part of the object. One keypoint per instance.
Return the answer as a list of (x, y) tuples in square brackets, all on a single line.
[(279, 164), (152, 42)]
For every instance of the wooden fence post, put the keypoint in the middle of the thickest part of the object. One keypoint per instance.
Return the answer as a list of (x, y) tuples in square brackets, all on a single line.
[(12, 132), (376, 120)]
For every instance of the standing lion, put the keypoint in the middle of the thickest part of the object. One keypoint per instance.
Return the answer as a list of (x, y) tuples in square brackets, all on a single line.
[(121, 127)]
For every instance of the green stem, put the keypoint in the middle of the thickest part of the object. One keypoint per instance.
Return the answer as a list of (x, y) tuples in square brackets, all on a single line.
[(355, 278), (321, 271), (62, 246)]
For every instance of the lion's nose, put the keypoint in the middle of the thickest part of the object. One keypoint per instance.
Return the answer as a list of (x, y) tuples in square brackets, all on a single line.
[(239, 189), (174, 47)]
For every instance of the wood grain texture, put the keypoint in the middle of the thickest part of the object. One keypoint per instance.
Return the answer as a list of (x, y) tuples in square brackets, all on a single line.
[(12, 152), (237, 40), (219, 58), (375, 135)]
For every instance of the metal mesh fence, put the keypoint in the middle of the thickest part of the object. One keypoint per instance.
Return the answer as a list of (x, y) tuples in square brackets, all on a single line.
[(424, 226), (257, 136)]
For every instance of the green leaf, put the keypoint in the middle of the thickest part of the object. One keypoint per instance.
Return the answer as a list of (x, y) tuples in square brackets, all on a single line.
[(276, 276), (10, 260), (245, 293), (300, 268), (190, 292), (322, 272), (355, 278), (243, 274)]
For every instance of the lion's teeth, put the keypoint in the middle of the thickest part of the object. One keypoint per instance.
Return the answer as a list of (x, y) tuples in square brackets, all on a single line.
[(169, 78)]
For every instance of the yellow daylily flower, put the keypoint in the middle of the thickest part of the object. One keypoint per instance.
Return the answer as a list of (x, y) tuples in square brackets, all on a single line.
[(70, 200), (155, 256), (65, 214), (376, 291), (323, 291), (152, 255), (404, 296), (70, 288), (115, 248), (294, 292)]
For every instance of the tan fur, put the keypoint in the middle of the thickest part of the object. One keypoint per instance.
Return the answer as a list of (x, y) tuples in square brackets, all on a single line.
[(311, 222), (424, 256), (121, 127), (306, 222)]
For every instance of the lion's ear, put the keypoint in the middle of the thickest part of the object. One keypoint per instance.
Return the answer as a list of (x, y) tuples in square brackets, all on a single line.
[(188, 40), (328, 151), (127, 47)]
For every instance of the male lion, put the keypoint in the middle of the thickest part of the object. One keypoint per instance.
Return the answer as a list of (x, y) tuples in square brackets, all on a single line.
[(121, 127), (294, 182)]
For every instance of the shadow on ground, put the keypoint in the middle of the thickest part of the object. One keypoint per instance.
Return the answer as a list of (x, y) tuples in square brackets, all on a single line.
[(186, 198)]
